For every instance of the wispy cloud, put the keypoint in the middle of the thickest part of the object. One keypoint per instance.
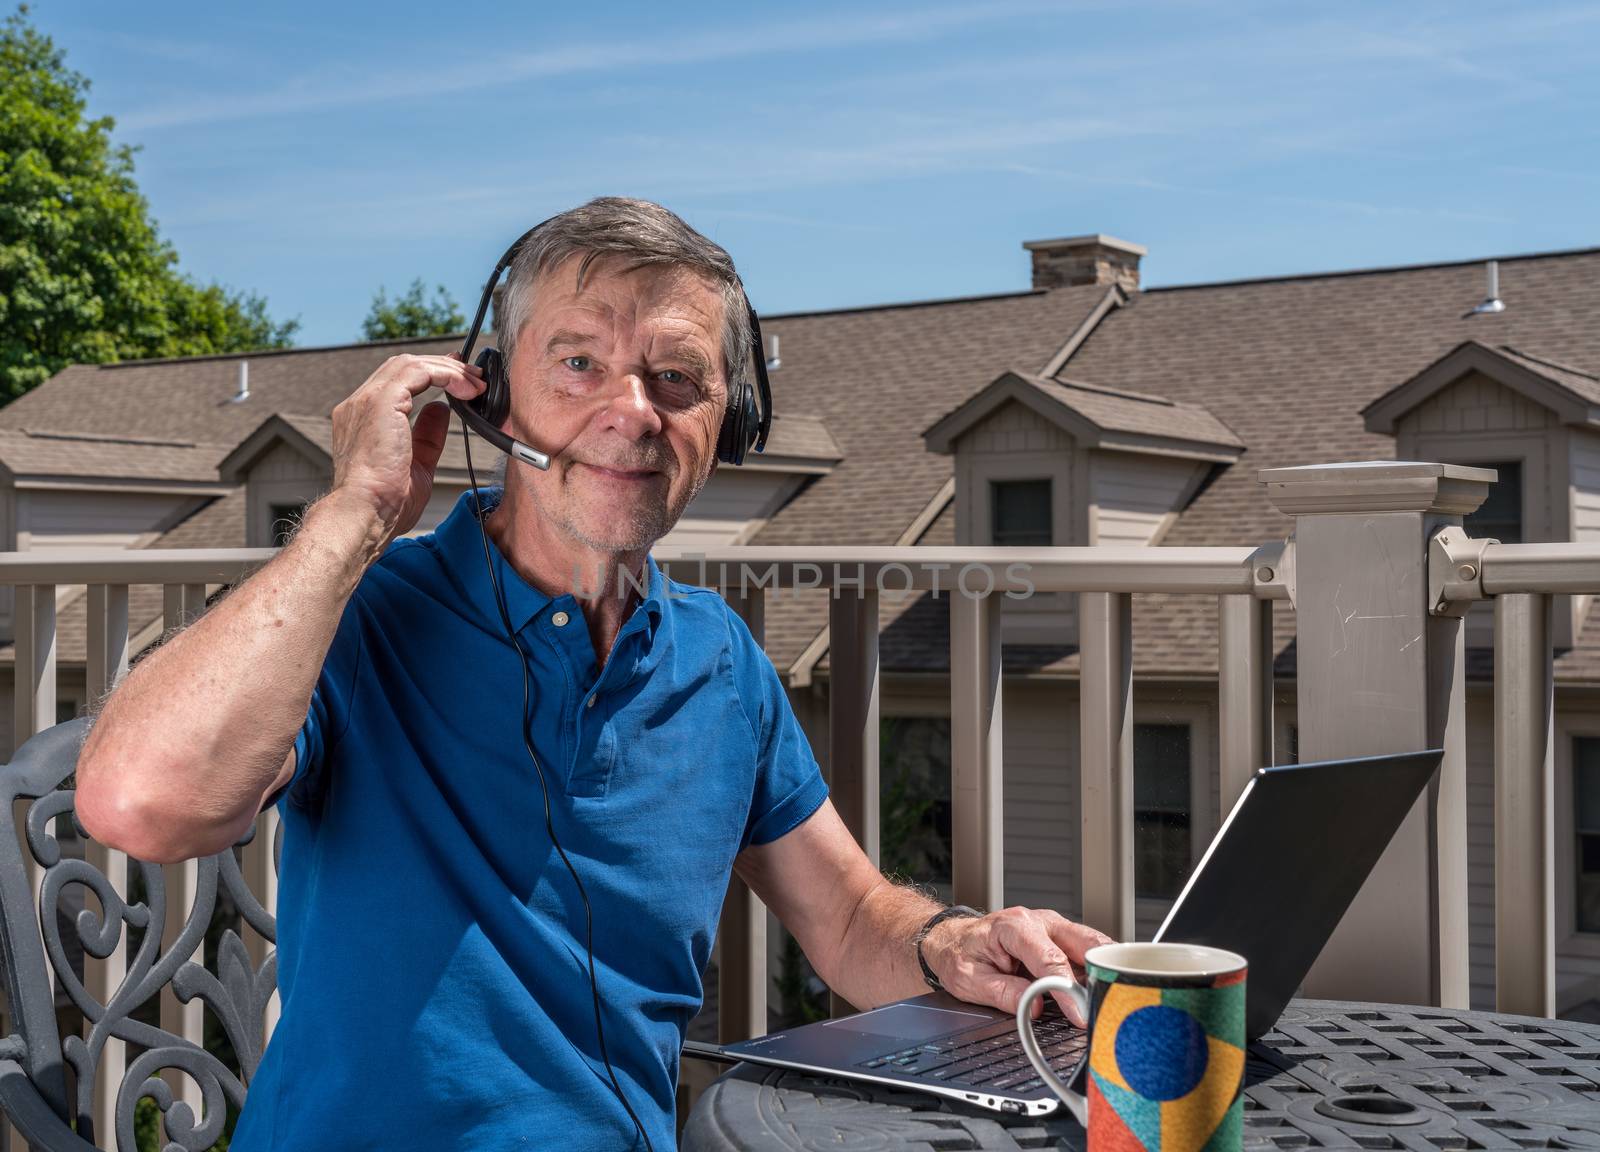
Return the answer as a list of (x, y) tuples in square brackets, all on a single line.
[(428, 78), (1335, 203)]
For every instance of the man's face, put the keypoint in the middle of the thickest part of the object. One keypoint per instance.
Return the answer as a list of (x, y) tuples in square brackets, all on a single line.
[(621, 381)]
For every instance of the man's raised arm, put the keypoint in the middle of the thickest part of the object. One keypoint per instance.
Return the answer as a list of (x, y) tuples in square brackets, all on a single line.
[(201, 732)]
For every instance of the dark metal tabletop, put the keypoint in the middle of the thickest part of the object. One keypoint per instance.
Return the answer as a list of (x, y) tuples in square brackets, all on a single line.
[(1330, 1075)]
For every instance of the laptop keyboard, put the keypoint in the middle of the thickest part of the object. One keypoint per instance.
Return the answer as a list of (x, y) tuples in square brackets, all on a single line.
[(990, 1057)]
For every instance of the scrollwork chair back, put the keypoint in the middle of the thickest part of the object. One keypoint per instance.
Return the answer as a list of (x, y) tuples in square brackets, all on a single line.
[(34, 1056)]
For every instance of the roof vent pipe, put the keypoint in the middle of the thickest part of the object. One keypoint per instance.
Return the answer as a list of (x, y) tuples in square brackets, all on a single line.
[(774, 362), (244, 384), (1492, 302)]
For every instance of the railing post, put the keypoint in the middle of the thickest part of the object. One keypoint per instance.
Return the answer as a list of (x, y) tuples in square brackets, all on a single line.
[(977, 758), (1524, 807), (1105, 637), (260, 873), (1379, 673), (1244, 692), (742, 930), (182, 603), (106, 665), (853, 732)]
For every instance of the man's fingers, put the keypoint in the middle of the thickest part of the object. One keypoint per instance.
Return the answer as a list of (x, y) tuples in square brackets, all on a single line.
[(428, 435), (1074, 939), (1005, 992), (419, 373), (1026, 938)]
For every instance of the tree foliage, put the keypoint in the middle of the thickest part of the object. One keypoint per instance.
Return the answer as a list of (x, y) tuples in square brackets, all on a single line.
[(85, 277), (413, 315)]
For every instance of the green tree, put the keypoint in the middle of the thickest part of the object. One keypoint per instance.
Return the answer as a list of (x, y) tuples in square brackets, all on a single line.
[(413, 315), (84, 275)]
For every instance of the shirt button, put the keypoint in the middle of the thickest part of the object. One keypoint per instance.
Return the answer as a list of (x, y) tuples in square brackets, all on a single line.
[(559, 619), (589, 703)]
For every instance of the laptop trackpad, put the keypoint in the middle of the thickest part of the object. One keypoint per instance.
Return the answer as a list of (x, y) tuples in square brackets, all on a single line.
[(909, 1022)]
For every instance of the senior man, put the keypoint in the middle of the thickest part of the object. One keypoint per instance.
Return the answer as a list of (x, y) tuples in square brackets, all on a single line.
[(433, 946)]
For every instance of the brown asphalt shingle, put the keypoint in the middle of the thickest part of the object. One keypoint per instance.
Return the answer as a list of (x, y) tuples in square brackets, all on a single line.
[(33, 452), (1287, 365), (877, 377)]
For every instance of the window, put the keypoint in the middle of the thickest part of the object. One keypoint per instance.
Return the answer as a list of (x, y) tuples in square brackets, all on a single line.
[(1500, 516), (1020, 512), (1586, 808), (1161, 818), (285, 518)]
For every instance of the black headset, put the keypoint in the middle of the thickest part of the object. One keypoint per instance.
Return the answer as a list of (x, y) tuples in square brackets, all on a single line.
[(745, 422), (745, 425)]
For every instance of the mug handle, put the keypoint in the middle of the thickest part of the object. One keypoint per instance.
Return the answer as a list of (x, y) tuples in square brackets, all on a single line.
[(1030, 1046)]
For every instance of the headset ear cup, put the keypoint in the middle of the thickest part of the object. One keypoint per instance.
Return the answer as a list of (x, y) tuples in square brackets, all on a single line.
[(733, 439), (494, 402)]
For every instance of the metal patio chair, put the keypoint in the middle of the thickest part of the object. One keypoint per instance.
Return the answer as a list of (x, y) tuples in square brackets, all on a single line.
[(53, 1087)]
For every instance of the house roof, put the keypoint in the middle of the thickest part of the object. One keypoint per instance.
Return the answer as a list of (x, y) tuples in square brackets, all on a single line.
[(1283, 366), (1570, 392), (42, 452), (1286, 364), (1096, 417), (192, 399)]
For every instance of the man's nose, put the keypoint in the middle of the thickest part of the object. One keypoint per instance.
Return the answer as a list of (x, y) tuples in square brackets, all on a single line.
[(630, 410)]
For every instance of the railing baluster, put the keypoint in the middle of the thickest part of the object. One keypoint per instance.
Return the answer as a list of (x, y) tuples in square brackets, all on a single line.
[(1524, 807), (1244, 691), (107, 664), (262, 878), (742, 931), (976, 753), (853, 735), (34, 704), (182, 603), (1105, 645)]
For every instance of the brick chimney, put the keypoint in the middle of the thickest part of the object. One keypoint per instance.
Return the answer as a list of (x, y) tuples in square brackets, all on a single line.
[(1094, 259)]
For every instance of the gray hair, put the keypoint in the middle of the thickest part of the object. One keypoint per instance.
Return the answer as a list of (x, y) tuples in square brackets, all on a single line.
[(642, 233)]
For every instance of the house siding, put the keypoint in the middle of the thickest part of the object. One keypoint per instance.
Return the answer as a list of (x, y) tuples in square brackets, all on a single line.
[(1584, 465), (1134, 496)]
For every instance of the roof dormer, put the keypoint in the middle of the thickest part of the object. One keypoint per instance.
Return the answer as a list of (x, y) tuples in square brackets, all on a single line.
[(1535, 420), (1120, 464)]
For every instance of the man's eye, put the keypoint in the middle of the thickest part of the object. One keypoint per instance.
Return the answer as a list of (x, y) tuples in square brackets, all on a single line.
[(673, 376), (577, 363)]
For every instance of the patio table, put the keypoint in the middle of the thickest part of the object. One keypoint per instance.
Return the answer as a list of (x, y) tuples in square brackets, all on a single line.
[(1331, 1074)]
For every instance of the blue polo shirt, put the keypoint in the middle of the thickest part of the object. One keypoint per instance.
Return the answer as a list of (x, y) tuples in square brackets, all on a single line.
[(431, 957)]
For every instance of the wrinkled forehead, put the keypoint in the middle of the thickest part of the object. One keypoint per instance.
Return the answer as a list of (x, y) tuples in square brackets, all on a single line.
[(612, 291)]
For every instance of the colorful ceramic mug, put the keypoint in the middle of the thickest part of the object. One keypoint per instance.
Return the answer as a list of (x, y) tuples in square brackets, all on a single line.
[(1166, 1047)]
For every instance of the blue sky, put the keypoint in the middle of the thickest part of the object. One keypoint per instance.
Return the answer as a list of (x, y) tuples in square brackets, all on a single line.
[(845, 154)]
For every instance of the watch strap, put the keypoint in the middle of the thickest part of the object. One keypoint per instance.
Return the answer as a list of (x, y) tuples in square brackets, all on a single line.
[(956, 911)]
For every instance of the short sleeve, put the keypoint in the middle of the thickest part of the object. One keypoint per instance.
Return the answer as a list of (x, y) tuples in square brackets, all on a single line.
[(328, 715), (788, 781)]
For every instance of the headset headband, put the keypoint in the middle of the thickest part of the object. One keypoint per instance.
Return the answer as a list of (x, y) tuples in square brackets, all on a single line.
[(530, 455)]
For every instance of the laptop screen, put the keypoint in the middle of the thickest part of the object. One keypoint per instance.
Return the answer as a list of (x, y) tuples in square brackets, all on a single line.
[(1287, 863)]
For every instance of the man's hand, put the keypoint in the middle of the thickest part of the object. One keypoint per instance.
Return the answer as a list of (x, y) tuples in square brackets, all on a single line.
[(379, 457), (992, 960)]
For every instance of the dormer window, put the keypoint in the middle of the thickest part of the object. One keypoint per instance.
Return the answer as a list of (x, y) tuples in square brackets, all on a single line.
[(1536, 422), (1020, 513), (1500, 516), (284, 519)]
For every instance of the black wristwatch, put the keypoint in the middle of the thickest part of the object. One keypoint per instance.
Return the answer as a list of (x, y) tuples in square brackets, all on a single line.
[(958, 910)]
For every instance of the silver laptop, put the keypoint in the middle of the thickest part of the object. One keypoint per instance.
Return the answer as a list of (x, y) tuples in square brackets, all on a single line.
[(1272, 886)]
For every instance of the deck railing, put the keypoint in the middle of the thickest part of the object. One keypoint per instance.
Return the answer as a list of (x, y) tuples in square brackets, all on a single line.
[(1379, 572)]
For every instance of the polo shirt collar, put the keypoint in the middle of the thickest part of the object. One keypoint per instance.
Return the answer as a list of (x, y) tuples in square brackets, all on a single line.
[(461, 548)]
